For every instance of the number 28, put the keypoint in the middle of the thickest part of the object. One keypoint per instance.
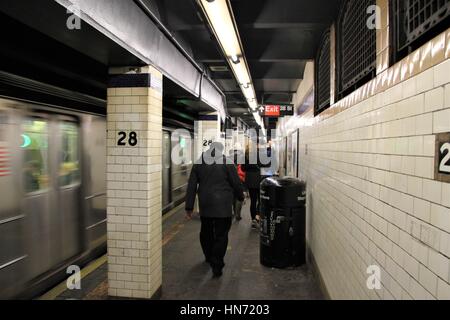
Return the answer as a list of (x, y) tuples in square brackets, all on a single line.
[(132, 140)]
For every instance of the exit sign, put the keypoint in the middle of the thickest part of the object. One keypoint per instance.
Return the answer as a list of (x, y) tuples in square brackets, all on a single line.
[(272, 111), (276, 111)]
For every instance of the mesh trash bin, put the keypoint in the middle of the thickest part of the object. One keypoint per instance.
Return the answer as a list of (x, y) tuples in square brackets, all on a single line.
[(283, 215)]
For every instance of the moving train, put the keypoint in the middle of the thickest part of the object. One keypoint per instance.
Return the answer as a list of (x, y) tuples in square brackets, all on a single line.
[(53, 192)]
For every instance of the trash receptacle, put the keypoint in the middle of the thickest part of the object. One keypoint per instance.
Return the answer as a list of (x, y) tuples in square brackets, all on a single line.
[(283, 220)]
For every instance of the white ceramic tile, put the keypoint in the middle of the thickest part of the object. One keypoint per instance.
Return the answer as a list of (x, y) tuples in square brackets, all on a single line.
[(432, 190), (440, 217), (445, 200), (424, 124), (443, 290), (422, 209), (434, 99), (424, 167), (415, 186), (425, 81), (442, 74), (441, 121), (439, 264), (447, 96), (429, 145), (428, 280), (415, 146)]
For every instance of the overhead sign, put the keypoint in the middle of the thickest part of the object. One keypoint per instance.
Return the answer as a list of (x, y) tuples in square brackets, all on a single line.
[(276, 111)]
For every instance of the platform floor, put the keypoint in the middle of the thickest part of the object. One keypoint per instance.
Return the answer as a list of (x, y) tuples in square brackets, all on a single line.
[(186, 276)]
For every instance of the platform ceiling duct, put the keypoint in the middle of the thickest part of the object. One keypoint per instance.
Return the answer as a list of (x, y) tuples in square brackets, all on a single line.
[(126, 24)]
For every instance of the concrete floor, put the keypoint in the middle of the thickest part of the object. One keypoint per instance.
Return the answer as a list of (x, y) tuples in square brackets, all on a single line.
[(187, 277)]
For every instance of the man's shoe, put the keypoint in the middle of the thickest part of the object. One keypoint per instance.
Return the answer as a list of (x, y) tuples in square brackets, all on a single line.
[(217, 273)]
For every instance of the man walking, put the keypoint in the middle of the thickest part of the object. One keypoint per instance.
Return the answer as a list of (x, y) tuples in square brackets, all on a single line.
[(217, 183)]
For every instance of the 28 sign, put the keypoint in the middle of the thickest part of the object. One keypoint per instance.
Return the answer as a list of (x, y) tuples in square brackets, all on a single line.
[(444, 166), (131, 141), (442, 170), (207, 143)]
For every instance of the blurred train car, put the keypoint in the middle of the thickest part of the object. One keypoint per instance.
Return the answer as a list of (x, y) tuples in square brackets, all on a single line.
[(53, 192), (176, 167), (52, 187)]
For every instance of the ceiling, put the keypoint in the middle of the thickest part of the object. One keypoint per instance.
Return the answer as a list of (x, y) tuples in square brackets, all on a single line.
[(278, 36), (61, 57)]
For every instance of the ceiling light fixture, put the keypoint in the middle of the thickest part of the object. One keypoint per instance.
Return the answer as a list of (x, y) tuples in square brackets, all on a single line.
[(235, 59), (220, 18)]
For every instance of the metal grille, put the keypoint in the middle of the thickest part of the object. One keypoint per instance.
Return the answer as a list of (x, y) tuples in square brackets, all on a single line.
[(416, 17), (323, 63), (357, 44)]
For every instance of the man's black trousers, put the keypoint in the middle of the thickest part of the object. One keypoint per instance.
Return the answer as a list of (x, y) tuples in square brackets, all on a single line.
[(214, 239), (254, 202)]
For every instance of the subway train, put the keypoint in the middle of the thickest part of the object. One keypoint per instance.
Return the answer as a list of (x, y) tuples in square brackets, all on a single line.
[(53, 192)]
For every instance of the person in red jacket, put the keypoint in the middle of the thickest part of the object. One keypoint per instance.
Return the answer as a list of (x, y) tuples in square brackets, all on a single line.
[(241, 173), (237, 204)]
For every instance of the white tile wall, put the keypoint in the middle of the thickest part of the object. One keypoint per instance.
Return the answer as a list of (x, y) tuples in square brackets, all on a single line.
[(371, 194)]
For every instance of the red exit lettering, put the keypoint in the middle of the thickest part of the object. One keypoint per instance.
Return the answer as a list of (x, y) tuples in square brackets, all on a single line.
[(273, 111)]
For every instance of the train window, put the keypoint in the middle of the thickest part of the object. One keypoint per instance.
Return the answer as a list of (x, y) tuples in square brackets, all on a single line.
[(69, 168), (35, 146), (185, 150), (167, 148)]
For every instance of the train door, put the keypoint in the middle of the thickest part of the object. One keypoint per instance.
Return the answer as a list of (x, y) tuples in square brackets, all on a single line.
[(181, 168), (94, 180), (42, 245), (166, 161), (51, 184), (68, 185), (12, 253)]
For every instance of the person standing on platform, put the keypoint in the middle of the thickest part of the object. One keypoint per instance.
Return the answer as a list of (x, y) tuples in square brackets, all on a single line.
[(237, 205), (252, 182), (216, 182)]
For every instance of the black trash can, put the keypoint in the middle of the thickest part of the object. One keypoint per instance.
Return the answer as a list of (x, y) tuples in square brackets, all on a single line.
[(283, 220)]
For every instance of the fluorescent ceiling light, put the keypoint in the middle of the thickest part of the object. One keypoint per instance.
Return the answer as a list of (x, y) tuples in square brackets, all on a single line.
[(253, 105), (241, 72), (248, 92), (221, 21)]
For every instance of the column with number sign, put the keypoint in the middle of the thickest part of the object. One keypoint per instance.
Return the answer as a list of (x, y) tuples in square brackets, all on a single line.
[(207, 130), (134, 119)]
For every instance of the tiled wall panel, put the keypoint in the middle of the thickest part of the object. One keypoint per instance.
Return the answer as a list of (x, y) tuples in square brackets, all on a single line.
[(372, 199)]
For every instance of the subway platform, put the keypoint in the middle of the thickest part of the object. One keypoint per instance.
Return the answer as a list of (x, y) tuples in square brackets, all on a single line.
[(187, 277)]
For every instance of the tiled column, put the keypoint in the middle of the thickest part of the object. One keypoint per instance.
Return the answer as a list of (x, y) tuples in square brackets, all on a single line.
[(134, 182), (207, 130)]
